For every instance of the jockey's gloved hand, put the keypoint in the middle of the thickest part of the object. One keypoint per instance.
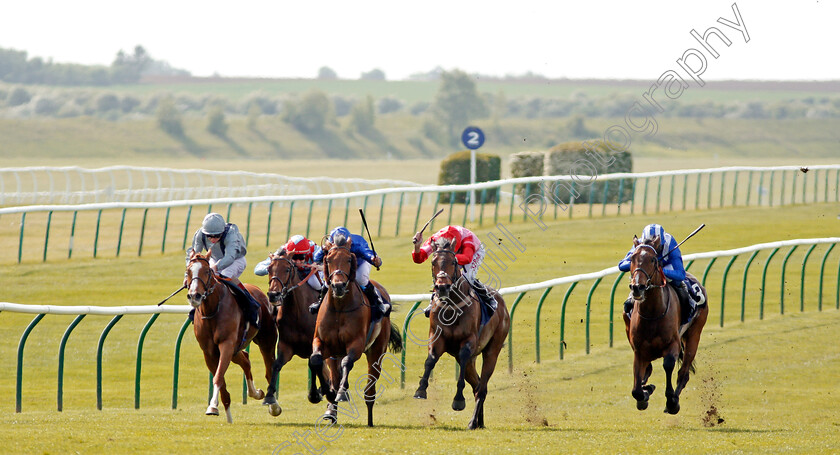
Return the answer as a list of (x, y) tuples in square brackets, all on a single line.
[(377, 262)]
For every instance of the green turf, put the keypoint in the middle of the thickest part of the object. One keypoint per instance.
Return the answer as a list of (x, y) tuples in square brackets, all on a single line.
[(772, 381)]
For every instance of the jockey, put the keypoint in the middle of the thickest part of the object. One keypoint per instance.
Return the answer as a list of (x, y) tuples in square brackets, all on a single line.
[(468, 251), (300, 250), (365, 257), (227, 255), (672, 268)]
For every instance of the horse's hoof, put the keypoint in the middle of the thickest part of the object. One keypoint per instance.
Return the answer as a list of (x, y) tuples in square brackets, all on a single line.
[(474, 426), (330, 418), (211, 411), (342, 396), (420, 394), (641, 405), (259, 395), (274, 409), (672, 409), (269, 400), (459, 405), (314, 398)]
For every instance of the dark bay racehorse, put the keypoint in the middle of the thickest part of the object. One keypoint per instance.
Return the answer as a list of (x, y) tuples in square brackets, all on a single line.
[(220, 329), (654, 329), (291, 296), (344, 330), (454, 325)]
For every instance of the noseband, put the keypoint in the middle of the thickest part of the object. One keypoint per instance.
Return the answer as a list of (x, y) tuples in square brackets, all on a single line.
[(649, 282), (211, 277), (286, 286), (339, 271), (456, 279)]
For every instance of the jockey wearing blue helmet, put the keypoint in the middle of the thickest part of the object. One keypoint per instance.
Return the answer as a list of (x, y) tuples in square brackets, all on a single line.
[(672, 268), (365, 258)]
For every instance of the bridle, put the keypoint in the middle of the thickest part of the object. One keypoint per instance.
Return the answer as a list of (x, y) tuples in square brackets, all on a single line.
[(649, 282), (456, 279), (286, 286), (339, 271), (208, 288)]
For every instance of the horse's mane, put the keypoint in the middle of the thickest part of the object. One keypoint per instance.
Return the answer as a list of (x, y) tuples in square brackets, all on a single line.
[(443, 243)]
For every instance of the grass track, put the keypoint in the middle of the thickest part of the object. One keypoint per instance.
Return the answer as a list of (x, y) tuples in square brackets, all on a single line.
[(772, 381)]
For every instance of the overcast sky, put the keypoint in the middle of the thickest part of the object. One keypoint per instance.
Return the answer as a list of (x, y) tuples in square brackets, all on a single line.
[(582, 39)]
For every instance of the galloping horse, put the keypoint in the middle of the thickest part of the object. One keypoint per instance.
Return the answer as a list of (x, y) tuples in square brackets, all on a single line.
[(455, 322), (220, 329), (344, 329), (654, 328), (291, 297)]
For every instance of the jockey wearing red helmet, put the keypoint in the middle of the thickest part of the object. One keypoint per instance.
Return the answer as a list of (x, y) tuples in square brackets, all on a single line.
[(469, 252), (300, 250)]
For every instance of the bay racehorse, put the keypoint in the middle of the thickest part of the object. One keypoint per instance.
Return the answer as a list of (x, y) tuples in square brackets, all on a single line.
[(455, 328), (291, 296), (344, 330), (220, 329), (653, 329)]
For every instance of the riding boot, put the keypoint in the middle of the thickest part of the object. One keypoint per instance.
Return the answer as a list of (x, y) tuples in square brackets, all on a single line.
[(317, 305), (428, 310), (373, 296), (628, 305), (484, 295), (685, 301), (252, 313)]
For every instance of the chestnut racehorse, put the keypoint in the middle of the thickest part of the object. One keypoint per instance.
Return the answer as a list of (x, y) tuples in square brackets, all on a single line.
[(343, 330), (455, 327), (653, 329), (220, 329), (291, 296)]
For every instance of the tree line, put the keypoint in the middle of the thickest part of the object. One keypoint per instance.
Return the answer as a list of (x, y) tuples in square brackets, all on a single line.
[(18, 68)]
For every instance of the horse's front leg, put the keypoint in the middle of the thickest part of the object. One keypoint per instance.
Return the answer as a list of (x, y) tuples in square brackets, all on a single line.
[(353, 354), (641, 391), (219, 386), (459, 403), (284, 354), (435, 351), (672, 402), (316, 366)]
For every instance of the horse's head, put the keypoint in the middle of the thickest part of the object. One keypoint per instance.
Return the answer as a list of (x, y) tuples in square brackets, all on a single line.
[(281, 273), (645, 269), (339, 266), (199, 278), (445, 271)]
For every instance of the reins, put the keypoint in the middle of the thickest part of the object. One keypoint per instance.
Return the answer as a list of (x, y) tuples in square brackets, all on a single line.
[(648, 284), (285, 286), (207, 289)]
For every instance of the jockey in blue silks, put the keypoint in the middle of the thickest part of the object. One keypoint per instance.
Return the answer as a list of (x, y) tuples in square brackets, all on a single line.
[(672, 267), (365, 257)]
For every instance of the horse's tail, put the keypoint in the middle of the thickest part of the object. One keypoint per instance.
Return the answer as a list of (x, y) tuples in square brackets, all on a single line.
[(395, 341)]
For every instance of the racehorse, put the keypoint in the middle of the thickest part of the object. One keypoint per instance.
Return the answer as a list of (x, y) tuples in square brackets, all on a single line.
[(343, 329), (653, 329), (220, 329), (291, 297), (455, 324)]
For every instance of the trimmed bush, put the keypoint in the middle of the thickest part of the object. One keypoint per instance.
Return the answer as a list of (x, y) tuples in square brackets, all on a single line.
[(591, 158), (455, 170), (527, 164)]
